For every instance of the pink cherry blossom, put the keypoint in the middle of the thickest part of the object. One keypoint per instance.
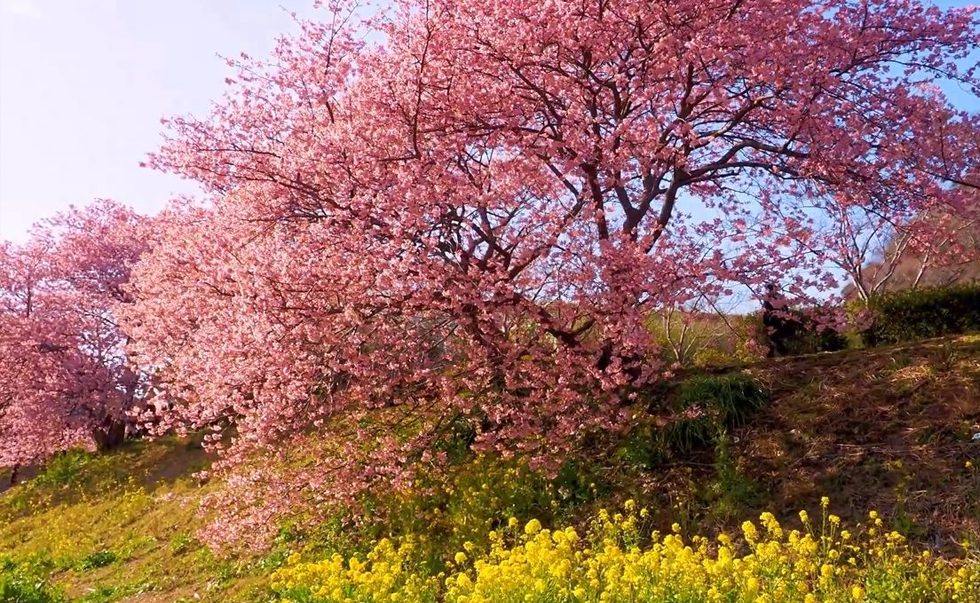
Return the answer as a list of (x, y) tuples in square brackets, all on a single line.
[(454, 218), (64, 376)]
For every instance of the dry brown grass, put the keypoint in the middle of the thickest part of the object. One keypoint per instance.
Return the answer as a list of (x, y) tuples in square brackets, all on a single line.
[(887, 429)]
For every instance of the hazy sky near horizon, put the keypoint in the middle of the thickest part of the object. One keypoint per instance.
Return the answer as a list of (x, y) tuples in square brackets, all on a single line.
[(84, 83)]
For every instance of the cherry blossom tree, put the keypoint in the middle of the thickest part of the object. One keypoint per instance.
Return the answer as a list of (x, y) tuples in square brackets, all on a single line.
[(64, 379), (452, 212), (939, 246)]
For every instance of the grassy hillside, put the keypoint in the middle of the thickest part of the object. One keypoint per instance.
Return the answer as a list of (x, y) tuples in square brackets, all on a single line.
[(888, 429), (119, 527)]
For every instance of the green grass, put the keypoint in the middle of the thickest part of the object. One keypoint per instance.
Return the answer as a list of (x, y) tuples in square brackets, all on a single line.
[(119, 528)]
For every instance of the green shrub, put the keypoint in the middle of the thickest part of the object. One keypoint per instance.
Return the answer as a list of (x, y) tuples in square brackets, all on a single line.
[(713, 403), (444, 511), (912, 314), (101, 594), (26, 581), (97, 559), (181, 543), (64, 469), (731, 493)]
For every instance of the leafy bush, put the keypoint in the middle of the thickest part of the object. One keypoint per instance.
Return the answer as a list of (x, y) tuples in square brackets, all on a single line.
[(181, 543), (26, 581), (732, 398), (444, 512), (102, 594), (618, 560), (98, 559), (65, 468), (913, 314)]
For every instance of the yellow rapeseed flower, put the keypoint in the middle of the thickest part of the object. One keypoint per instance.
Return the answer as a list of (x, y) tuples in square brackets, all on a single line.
[(539, 565), (532, 527)]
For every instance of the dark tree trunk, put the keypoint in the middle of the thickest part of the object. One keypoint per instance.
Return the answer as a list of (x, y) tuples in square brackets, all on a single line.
[(14, 473), (111, 436)]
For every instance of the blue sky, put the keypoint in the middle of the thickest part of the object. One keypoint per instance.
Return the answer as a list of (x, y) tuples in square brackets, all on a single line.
[(84, 83)]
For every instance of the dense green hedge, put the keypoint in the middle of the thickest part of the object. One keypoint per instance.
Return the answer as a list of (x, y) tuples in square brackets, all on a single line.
[(922, 313)]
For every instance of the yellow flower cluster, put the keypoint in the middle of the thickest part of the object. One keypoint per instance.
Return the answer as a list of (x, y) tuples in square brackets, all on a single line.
[(617, 562), (384, 576)]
